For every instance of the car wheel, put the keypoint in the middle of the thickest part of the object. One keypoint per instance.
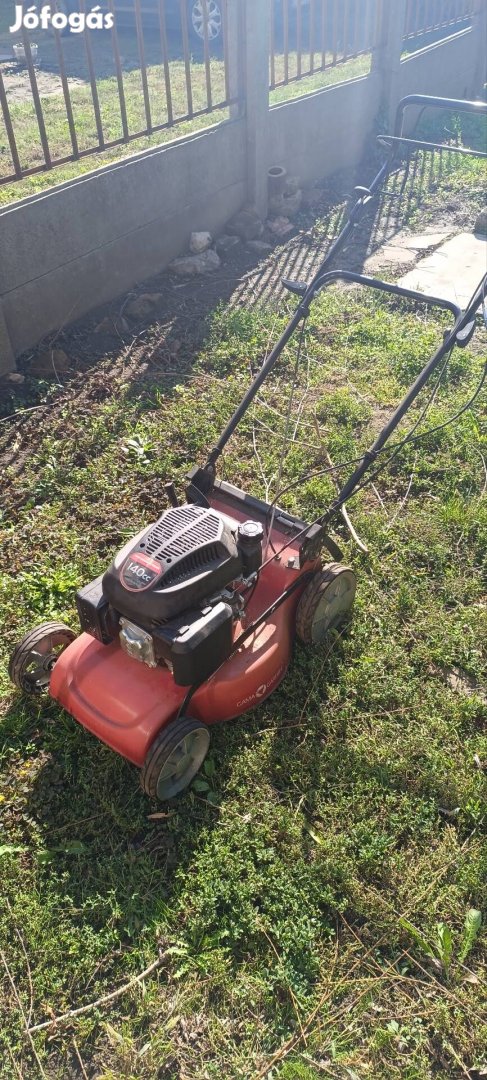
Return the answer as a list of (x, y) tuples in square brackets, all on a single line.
[(214, 19)]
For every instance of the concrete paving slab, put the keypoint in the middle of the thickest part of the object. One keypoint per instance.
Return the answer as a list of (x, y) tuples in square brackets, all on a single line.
[(403, 249), (389, 256), (424, 240), (453, 271)]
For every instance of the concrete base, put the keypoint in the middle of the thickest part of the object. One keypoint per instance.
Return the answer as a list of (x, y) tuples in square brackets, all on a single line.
[(453, 272), (7, 359)]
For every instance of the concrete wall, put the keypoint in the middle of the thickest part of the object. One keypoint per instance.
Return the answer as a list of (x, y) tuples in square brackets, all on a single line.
[(315, 135), (88, 241), (446, 69)]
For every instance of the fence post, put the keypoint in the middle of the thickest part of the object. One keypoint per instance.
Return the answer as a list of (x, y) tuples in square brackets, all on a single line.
[(386, 56), (479, 27), (256, 82), (7, 358)]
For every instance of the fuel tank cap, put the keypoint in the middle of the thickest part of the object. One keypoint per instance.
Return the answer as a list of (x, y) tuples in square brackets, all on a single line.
[(250, 531)]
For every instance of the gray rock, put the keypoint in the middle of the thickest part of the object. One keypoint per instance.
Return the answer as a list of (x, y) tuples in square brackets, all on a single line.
[(14, 377), (143, 305), (259, 247), (191, 265), (247, 225), (481, 223), (199, 242), (286, 205), (280, 226), (49, 364), (114, 326), (227, 245)]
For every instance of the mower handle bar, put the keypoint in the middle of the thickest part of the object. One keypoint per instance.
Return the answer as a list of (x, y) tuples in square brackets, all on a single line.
[(306, 292), (318, 283), (460, 335), (426, 101)]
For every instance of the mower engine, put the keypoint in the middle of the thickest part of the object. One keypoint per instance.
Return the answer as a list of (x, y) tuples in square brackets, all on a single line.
[(172, 593)]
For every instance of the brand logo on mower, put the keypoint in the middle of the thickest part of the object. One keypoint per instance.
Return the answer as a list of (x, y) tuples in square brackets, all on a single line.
[(139, 572), (262, 690)]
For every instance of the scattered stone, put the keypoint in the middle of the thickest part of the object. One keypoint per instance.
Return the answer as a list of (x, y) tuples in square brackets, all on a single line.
[(199, 242), (14, 377), (143, 305), (225, 245), (113, 325), (191, 265), (481, 223), (259, 247), (280, 226), (286, 205), (49, 364), (247, 225)]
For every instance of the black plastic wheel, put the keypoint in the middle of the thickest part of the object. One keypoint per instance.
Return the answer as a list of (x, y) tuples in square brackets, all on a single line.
[(326, 603), (32, 661), (175, 757)]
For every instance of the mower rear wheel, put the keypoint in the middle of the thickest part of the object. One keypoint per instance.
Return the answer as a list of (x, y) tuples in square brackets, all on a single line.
[(32, 661), (174, 758), (326, 603)]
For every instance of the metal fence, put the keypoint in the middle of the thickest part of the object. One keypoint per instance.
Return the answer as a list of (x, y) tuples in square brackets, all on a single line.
[(310, 36), (430, 16), (162, 63)]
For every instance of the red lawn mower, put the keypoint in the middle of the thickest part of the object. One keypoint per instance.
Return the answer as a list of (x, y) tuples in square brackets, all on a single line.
[(194, 621)]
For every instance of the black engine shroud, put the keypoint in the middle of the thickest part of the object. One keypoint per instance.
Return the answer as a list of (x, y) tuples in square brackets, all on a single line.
[(161, 582), (190, 554)]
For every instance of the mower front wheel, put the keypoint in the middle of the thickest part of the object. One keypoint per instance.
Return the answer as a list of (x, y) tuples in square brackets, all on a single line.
[(326, 603), (32, 661), (174, 758)]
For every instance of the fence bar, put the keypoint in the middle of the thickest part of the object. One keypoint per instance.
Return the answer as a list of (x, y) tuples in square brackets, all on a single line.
[(143, 67), (65, 86), (324, 35), (206, 51), (227, 50), (36, 99), (94, 89), (346, 25), (165, 60), (299, 27), (434, 15), (286, 39), (114, 142), (187, 65), (118, 69), (312, 16), (10, 131), (335, 30), (272, 46)]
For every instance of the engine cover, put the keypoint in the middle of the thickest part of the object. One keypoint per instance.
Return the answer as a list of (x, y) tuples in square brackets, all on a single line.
[(188, 555)]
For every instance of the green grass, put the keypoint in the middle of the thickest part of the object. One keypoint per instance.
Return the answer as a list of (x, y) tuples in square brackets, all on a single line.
[(295, 896)]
